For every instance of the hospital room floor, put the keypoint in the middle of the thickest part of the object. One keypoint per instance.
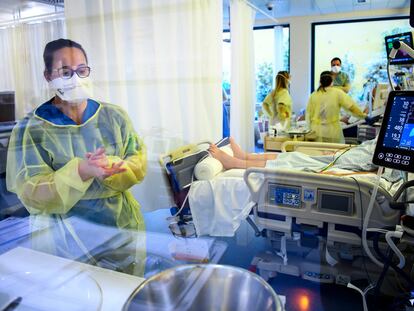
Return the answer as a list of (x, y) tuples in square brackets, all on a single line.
[(301, 295)]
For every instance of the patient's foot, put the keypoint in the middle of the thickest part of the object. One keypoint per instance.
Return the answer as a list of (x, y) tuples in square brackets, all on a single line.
[(237, 151), (226, 160)]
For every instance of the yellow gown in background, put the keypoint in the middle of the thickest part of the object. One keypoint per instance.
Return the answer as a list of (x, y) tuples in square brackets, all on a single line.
[(323, 113), (278, 107)]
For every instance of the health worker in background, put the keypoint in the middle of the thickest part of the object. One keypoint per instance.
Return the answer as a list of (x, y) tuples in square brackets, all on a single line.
[(340, 78), (323, 110), (278, 103), (74, 155)]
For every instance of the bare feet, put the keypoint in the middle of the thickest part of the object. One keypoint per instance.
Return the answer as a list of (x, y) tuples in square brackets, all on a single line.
[(226, 160), (237, 151)]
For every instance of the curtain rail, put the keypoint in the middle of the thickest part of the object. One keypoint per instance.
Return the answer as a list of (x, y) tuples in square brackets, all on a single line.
[(32, 19), (261, 11)]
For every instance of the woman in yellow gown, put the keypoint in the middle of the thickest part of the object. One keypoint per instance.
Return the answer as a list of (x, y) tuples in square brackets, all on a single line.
[(278, 104), (74, 156), (323, 110)]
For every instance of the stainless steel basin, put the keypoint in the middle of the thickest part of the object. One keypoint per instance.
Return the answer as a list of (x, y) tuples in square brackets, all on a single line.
[(204, 287)]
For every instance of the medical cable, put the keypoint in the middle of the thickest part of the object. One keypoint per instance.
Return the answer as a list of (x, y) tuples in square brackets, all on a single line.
[(389, 262), (363, 293), (367, 217), (377, 230), (346, 149), (388, 237), (362, 224), (188, 193), (389, 75)]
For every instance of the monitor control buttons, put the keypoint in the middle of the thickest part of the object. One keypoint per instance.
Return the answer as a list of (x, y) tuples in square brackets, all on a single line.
[(397, 156), (406, 157), (404, 162), (389, 154), (396, 161), (380, 155), (388, 159)]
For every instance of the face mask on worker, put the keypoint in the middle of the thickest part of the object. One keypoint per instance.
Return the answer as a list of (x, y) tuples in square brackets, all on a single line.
[(336, 69), (74, 90)]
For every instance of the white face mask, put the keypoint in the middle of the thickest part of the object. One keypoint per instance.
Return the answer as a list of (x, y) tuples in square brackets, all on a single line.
[(74, 90), (336, 69)]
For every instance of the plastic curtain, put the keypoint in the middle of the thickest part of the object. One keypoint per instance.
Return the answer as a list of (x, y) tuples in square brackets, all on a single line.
[(243, 97), (161, 61)]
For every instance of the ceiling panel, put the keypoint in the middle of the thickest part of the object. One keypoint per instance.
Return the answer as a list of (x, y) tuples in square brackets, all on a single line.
[(286, 8), (394, 4), (280, 8), (10, 9), (379, 4), (324, 5)]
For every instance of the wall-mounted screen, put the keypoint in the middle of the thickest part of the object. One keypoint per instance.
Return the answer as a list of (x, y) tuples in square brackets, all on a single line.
[(401, 57), (7, 107)]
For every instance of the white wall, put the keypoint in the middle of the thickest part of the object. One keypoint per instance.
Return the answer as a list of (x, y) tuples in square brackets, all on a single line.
[(300, 46)]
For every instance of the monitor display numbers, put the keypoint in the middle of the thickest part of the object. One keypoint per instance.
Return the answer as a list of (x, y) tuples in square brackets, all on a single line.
[(395, 144), (400, 127), (407, 135)]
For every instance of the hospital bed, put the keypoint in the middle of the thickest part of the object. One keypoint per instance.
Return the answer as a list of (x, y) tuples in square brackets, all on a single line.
[(313, 221)]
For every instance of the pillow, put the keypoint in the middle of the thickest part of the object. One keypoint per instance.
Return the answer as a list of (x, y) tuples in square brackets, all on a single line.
[(209, 167)]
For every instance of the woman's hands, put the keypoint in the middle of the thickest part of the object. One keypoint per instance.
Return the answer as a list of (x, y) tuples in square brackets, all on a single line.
[(96, 165)]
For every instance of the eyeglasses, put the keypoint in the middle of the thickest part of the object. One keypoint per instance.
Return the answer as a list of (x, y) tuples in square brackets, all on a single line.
[(67, 73)]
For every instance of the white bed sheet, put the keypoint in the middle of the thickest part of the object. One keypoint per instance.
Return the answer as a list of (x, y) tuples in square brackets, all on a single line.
[(219, 205)]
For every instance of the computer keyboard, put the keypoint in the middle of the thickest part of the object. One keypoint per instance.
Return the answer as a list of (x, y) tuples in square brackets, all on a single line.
[(7, 126), (7, 123)]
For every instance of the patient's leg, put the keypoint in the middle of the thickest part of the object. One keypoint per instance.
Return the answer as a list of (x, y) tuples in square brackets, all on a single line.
[(229, 162), (237, 150), (240, 154)]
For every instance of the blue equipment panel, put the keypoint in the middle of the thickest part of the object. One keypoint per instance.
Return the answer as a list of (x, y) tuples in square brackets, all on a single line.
[(284, 195)]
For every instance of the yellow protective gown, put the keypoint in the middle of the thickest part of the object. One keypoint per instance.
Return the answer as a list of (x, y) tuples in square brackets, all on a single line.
[(322, 113), (278, 107), (42, 167)]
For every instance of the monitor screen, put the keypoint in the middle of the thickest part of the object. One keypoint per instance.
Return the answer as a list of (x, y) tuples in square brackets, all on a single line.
[(7, 107), (395, 145), (401, 57), (335, 202)]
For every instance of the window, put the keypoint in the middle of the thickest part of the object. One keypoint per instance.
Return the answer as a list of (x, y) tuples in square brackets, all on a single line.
[(271, 50), (271, 55), (361, 47)]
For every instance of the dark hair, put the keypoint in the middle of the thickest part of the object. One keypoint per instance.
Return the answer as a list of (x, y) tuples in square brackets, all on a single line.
[(336, 58), (58, 44), (325, 80)]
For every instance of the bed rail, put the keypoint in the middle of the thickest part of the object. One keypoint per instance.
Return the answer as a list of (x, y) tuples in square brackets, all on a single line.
[(312, 148)]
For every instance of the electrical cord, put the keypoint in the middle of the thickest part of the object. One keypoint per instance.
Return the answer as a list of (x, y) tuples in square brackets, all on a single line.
[(392, 264), (362, 224), (367, 217), (388, 74), (186, 197), (336, 159), (398, 272)]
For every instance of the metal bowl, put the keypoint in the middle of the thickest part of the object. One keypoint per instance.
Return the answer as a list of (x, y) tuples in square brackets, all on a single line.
[(204, 287)]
